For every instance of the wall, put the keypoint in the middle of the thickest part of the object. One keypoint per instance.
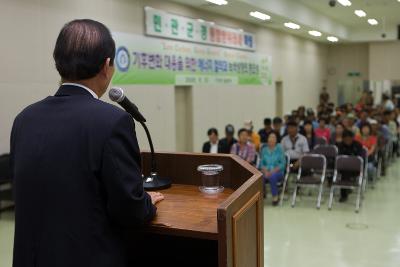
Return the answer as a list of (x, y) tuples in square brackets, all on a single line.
[(28, 74), (345, 58), (385, 61)]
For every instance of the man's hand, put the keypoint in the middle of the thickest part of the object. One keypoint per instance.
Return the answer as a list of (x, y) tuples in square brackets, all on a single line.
[(156, 197)]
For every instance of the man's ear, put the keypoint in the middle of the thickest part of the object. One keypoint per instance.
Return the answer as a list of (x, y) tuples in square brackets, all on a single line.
[(106, 67)]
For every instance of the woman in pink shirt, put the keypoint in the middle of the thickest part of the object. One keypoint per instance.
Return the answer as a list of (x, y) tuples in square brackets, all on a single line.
[(322, 131)]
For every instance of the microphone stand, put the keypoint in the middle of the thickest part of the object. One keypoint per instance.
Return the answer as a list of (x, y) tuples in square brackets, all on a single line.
[(153, 182)]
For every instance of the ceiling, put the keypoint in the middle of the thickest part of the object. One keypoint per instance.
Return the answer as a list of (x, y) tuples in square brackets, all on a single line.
[(316, 15)]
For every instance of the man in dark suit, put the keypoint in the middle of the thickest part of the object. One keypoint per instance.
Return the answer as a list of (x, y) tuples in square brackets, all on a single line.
[(76, 164), (212, 146)]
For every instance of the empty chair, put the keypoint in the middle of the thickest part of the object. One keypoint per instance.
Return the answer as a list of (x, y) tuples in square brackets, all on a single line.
[(348, 175), (330, 152), (311, 174)]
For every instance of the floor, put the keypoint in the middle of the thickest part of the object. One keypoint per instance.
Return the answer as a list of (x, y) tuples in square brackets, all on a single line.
[(305, 236)]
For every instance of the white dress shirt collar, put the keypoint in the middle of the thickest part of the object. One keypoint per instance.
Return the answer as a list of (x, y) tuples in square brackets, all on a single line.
[(84, 87)]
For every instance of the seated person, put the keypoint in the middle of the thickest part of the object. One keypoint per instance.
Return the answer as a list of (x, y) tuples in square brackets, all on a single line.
[(323, 131), (277, 125), (229, 140), (272, 164), (253, 136), (264, 132), (366, 139), (213, 146), (348, 147), (244, 148), (308, 131), (337, 136), (294, 144)]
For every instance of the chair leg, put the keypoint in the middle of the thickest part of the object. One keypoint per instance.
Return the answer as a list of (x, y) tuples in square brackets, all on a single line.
[(283, 189), (358, 199), (331, 197), (294, 196), (321, 189)]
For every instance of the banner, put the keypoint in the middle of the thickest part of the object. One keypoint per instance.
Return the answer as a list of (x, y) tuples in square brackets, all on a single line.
[(146, 60), (162, 24)]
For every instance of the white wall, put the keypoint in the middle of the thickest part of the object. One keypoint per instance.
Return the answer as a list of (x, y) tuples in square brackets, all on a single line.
[(385, 61), (30, 27)]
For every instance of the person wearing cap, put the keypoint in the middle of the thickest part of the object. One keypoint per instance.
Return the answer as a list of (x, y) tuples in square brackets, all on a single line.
[(229, 140), (349, 123), (264, 132), (253, 136)]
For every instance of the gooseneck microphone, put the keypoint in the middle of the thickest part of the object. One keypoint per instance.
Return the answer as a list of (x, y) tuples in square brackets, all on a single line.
[(116, 94), (152, 182)]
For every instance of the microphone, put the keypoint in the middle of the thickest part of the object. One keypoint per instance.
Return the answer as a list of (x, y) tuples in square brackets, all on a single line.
[(116, 94), (152, 182)]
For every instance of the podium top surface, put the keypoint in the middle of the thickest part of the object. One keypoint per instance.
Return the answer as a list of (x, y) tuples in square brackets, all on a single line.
[(186, 211)]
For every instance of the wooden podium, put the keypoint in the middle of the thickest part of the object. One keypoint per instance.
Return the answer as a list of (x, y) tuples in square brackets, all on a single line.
[(194, 229)]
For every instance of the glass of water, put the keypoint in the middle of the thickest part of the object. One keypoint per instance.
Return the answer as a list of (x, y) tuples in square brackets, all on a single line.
[(211, 178)]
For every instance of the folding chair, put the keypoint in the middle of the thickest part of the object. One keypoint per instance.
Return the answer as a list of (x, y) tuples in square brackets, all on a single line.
[(353, 167), (311, 174), (365, 159), (286, 178), (330, 152), (321, 141)]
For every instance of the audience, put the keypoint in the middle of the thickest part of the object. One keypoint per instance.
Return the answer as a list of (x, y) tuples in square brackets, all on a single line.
[(349, 128), (294, 144), (264, 132), (253, 136), (229, 140), (272, 164), (213, 145), (369, 141), (244, 148), (309, 133), (348, 147), (323, 131)]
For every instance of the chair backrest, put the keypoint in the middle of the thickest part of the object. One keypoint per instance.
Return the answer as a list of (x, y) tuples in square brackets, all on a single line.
[(312, 164), (364, 155), (329, 151), (5, 171), (320, 141), (346, 163)]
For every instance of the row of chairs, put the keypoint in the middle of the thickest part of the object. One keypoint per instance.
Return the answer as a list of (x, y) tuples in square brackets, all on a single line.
[(324, 162)]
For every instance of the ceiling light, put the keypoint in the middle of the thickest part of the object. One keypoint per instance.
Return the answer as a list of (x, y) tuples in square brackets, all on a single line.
[(332, 39), (260, 15), (373, 21), (292, 25), (218, 2), (315, 33), (360, 13), (345, 2)]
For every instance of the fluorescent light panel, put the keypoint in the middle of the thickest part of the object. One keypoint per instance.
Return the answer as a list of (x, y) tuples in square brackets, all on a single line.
[(332, 39), (373, 21), (292, 25), (315, 33), (218, 2), (360, 13), (260, 15), (345, 2)]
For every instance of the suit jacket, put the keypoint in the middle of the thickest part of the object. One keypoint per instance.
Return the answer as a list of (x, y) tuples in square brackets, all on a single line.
[(207, 147), (77, 176)]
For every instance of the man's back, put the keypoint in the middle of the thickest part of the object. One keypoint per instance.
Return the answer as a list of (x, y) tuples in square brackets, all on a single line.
[(76, 169)]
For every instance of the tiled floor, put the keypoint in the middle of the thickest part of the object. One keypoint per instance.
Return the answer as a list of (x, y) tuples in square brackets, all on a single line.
[(304, 236)]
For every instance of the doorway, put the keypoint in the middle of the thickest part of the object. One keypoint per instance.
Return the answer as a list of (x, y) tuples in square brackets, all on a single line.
[(184, 118)]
